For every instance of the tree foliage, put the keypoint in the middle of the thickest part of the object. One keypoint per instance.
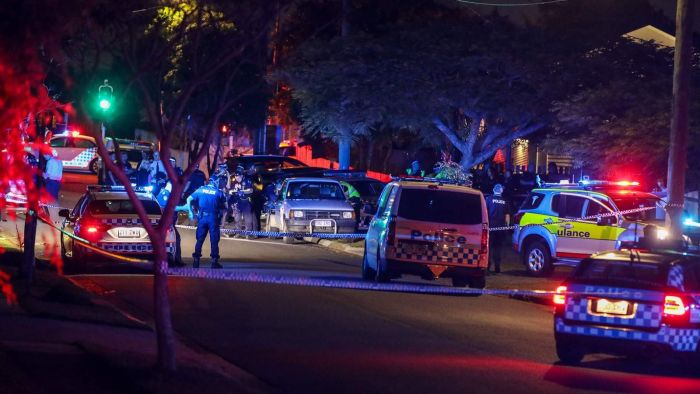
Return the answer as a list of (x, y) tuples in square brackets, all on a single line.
[(447, 80)]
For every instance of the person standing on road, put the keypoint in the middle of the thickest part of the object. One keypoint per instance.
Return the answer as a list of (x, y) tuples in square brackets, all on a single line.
[(53, 175), (210, 204), (162, 199), (498, 217)]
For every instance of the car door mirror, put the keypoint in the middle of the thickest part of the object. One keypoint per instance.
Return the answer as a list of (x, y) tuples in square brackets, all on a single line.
[(64, 213)]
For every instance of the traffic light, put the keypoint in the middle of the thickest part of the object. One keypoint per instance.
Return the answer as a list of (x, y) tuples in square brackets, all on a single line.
[(105, 97)]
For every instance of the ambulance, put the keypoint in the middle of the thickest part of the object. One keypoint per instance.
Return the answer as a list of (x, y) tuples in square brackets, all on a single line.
[(430, 228), (563, 225)]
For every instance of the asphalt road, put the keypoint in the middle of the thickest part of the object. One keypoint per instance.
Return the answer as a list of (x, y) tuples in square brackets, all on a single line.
[(305, 339)]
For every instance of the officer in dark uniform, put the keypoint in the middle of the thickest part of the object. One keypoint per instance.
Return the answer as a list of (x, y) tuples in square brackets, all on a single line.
[(498, 217), (241, 193), (209, 202)]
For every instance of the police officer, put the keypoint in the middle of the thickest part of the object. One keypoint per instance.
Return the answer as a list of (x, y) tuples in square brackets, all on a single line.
[(162, 198), (498, 217), (210, 205), (241, 194)]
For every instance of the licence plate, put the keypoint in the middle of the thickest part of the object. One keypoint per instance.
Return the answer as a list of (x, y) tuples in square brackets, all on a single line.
[(323, 223), (129, 233), (622, 308), (415, 248)]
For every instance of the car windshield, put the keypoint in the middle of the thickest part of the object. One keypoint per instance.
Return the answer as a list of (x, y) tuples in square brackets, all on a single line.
[(121, 207), (368, 189), (315, 191), (621, 272), (440, 206), (631, 202)]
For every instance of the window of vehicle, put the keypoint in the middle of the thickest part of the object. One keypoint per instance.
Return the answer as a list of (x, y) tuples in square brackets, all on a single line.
[(596, 207), (568, 206), (121, 207), (58, 142), (631, 202), (82, 143), (612, 272), (310, 190), (368, 189), (532, 201), (381, 205), (440, 206), (79, 206)]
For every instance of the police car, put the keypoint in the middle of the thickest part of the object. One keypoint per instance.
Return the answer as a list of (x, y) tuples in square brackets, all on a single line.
[(547, 235), (106, 217), (76, 151), (430, 228), (629, 302)]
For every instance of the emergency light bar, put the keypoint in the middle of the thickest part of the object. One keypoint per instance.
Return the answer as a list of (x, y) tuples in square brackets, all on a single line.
[(345, 173)]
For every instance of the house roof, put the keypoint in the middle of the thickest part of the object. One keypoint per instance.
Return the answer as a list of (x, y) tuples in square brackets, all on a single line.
[(651, 33)]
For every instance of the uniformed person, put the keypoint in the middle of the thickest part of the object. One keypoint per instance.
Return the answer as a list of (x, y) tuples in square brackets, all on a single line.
[(498, 217), (241, 199), (162, 199), (209, 202)]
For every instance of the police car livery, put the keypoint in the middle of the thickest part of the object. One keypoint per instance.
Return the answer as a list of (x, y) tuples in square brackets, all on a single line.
[(105, 217), (551, 232), (629, 302), (428, 228), (76, 151)]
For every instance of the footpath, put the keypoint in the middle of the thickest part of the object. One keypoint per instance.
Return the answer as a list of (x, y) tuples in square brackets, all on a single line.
[(59, 338)]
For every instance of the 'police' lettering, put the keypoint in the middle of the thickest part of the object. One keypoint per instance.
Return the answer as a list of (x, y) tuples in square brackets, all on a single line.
[(417, 234)]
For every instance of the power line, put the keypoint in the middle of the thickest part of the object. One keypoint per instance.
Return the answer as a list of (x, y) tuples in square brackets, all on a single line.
[(510, 4)]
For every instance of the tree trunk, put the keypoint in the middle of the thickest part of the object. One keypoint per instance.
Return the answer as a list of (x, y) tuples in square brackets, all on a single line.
[(26, 269), (165, 336), (370, 153), (344, 152), (678, 151)]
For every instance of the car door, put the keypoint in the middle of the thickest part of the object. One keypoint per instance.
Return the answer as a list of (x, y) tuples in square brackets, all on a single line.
[(603, 231), (69, 222), (573, 241), (377, 227)]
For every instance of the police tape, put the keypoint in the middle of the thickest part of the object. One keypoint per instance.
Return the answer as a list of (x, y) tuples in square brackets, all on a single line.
[(583, 219)]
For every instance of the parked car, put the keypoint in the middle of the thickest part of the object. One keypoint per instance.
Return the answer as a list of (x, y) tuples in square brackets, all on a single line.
[(311, 205)]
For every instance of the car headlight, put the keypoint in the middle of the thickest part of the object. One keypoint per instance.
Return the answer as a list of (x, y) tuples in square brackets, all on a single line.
[(348, 215), (297, 214), (661, 233)]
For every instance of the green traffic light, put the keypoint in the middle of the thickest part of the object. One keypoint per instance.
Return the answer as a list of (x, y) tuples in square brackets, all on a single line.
[(105, 104)]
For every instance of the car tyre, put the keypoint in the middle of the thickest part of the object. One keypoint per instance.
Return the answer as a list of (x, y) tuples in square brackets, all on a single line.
[(382, 276), (537, 259), (368, 273), (569, 354), (460, 281), (94, 166), (286, 239), (477, 282)]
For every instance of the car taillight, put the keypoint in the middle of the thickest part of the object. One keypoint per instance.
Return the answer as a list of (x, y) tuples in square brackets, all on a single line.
[(484, 239), (91, 230), (559, 297), (674, 306), (391, 232), (676, 310)]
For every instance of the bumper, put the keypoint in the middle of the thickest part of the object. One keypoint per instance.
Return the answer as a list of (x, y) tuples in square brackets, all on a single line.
[(597, 339), (397, 267), (131, 248), (342, 226)]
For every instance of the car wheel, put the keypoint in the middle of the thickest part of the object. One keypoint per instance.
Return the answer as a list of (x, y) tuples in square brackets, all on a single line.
[(569, 353), (477, 282), (367, 272), (537, 260), (285, 239), (459, 281), (382, 275), (94, 166)]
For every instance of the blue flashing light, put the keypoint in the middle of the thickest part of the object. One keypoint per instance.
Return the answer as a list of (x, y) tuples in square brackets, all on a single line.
[(690, 222)]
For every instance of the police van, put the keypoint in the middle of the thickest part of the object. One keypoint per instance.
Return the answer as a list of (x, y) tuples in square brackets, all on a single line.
[(629, 302), (77, 152), (562, 225), (430, 228)]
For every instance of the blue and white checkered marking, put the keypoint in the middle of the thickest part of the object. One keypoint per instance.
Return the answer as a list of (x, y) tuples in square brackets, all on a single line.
[(646, 315), (680, 339), (676, 277), (82, 160)]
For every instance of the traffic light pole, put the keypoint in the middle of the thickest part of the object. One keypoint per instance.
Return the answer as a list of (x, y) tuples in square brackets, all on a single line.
[(678, 150)]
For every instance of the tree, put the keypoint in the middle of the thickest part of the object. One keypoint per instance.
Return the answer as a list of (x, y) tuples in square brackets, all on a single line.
[(615, 125), (481, 85), (182, 59)]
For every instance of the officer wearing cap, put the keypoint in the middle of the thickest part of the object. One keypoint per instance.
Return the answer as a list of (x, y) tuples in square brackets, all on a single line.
[(498, 217), (210, 205)]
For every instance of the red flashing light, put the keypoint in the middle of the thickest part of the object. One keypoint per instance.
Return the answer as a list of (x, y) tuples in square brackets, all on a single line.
[(75, 133), (92, 229), (560, 297), (627, 183), (674, 306), (484, 240)]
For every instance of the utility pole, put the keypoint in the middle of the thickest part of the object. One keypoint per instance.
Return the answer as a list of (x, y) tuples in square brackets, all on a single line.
[(678, 150), (345, 141)]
